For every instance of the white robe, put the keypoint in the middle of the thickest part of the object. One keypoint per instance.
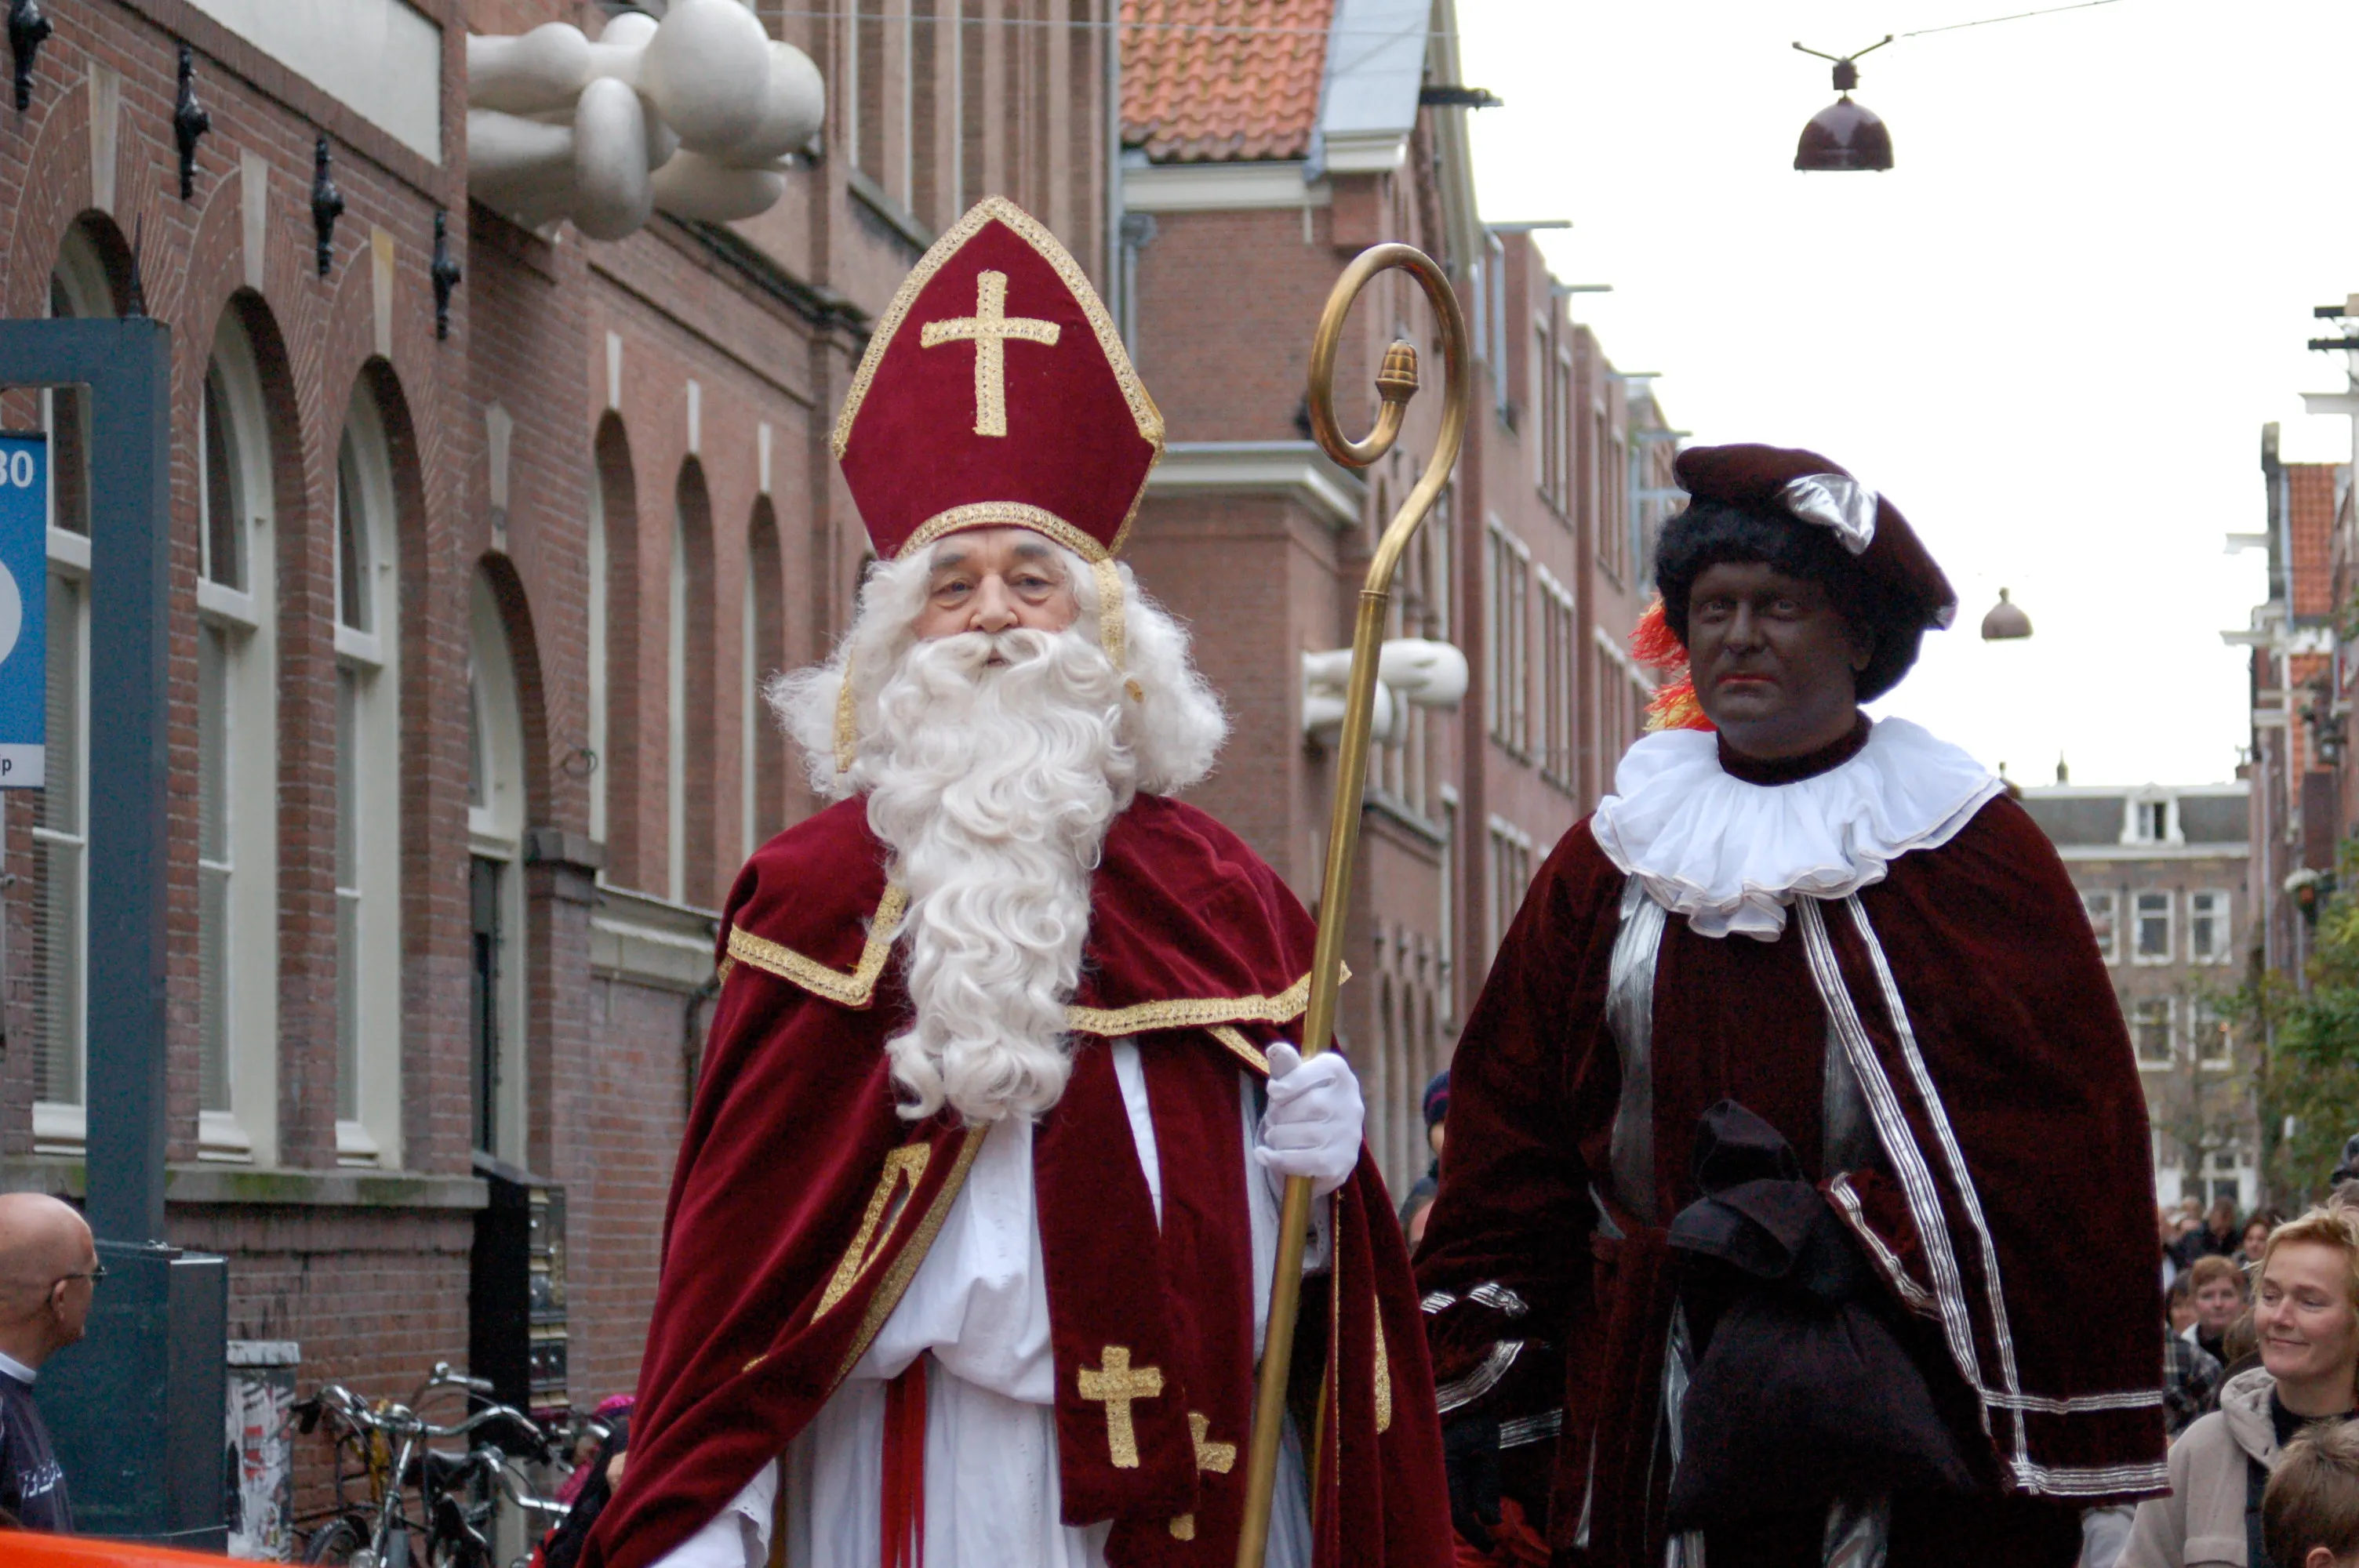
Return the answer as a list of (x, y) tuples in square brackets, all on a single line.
[(979, 1306)]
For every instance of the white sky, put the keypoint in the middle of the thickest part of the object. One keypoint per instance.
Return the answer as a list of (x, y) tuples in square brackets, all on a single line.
[(2051, 333)]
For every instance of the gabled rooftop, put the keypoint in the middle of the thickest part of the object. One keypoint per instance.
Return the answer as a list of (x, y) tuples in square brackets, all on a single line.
[(1212, 81)]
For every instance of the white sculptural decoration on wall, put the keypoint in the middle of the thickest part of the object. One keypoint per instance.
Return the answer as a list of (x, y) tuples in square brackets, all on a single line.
[(1411, 672), (692, 115)]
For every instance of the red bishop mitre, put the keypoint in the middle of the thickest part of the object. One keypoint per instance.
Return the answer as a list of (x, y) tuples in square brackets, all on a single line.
[(1810, 489), (995, 392)]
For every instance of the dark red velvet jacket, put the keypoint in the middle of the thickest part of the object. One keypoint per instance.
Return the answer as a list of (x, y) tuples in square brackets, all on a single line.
[(2016, 1024), (803, 1205)]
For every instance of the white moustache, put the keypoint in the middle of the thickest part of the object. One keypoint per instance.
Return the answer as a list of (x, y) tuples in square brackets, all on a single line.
[(972, 653)]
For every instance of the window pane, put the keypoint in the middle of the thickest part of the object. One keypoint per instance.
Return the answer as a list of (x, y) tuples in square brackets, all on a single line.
[(58, 893), (212, 869), (69, 440), (61, 797), (476, 794), (353, 598), (212, 744), (58, 900), (2208, 1038), (2207, 926), (484, 994), (348, 897), (2100, 907), (225, 541), (2150, 1027)]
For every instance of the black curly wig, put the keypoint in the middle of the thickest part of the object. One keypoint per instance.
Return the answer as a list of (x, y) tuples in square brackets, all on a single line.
[(1710, 533)]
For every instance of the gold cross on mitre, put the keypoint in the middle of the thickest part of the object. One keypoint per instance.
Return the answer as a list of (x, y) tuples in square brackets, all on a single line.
[(989, 329), (1116, 1384)]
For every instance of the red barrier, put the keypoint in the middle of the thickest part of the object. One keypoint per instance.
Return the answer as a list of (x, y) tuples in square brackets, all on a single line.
[(31, 1549)]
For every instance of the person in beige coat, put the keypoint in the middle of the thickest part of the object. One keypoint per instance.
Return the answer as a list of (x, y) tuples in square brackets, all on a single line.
[(2306, 1311)]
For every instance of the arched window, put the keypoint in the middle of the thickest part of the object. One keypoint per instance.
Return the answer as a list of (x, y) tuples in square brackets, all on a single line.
[(595, 550), (762, 781), (237, 763), (368, 795), (495, 821), (617, 785), (78, 287), (688, 744)]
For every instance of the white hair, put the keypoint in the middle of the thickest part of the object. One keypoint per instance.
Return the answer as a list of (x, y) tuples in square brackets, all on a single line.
[(1173, 729), (993, 765)]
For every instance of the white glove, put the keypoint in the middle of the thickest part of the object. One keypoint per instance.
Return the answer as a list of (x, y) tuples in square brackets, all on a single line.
[(1315, 1118)]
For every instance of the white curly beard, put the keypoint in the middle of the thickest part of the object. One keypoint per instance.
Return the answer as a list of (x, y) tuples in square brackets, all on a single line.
[(1003, 768)]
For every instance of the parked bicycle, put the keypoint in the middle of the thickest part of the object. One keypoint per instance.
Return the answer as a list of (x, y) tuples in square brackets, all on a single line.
[(459, 1496)]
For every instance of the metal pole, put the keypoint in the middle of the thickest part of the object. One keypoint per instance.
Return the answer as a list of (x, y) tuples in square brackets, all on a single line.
[(136, 1408), (1396, 385)]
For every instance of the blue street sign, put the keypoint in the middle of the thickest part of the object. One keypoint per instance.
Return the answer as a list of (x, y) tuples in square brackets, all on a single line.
[(23, 608)]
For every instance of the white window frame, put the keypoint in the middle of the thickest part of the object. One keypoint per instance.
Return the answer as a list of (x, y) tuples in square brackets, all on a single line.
[(245, 1130), (1616, 719), (1543, 430), (495, 832), (2109, 937), (1507, 638), (1505, 841), (2136, 829), (2210, 1044), (1559, 746), (58, 1125), (2138, 1019), (2138, 954), (372, 1135), (2223, 930)]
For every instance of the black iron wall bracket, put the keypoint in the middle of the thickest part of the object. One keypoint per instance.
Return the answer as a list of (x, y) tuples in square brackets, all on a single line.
[(190, 122), (326, 206), (27, 29), (445, 273)]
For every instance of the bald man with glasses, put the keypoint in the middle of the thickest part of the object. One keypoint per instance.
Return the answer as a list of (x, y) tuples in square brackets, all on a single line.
[(49, 1268)]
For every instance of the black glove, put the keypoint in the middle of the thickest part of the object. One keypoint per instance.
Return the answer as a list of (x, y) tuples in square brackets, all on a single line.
[(1469, 1453)]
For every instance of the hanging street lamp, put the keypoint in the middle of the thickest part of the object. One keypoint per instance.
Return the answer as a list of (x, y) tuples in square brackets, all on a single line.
[(1845, 135), (2005, 620)]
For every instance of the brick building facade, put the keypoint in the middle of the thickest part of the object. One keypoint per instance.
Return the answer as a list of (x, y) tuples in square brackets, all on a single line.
[(468, 630), (2163, 873), (1254, 168), (2301, 673)]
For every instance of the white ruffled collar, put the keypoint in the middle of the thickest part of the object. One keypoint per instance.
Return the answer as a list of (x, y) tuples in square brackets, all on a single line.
[(1731, 856)]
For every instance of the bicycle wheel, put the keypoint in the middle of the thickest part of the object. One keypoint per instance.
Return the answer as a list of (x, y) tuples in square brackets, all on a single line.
[(339, 1542)]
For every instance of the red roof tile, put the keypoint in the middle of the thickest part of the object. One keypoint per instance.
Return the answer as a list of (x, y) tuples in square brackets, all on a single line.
[(2310, 489), (1207, 80)]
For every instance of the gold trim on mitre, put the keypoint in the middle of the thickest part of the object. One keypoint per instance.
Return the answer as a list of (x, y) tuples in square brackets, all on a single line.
[(990, 210), (1004, 513), (1112, 635)]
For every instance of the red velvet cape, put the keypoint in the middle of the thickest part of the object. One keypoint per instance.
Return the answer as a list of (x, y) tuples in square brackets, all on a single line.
[(803, 1203), (2020, 1032)]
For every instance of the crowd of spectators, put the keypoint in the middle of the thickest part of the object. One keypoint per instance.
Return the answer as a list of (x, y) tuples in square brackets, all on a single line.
[(2261, 1383)]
